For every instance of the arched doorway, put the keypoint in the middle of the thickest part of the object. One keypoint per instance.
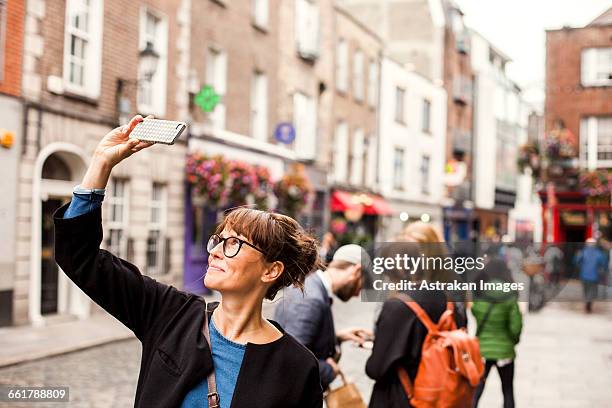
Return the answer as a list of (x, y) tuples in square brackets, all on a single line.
[(59, 167)]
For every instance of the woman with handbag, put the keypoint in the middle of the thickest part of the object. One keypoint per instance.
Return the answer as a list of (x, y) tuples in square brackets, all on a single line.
[(196, 354)]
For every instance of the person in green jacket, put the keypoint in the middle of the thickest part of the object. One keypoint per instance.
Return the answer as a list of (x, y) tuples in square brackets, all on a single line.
[(499, 325)]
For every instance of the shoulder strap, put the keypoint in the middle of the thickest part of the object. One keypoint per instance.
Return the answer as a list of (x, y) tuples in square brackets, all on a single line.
[(422, 315), (213, 396), (405, 381), (484, 320)]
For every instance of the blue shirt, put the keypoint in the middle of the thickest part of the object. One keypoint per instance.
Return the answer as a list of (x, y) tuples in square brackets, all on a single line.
[(83, 203), (227, 359)]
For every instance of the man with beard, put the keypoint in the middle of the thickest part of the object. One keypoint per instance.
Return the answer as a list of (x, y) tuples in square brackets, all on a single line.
[(307, 315)]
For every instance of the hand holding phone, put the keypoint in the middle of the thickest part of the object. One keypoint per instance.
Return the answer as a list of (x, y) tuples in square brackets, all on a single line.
[(158, 131)]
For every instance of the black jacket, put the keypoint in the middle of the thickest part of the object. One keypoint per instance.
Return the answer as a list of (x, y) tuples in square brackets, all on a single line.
[(399, 338), (308, 317), (169, 322)]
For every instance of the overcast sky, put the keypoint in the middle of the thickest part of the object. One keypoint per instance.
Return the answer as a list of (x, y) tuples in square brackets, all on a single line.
[(517, 27)]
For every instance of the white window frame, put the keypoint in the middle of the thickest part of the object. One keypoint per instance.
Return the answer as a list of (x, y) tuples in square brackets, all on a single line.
[(307, 28), (158, 83), (372, 83), (398, 174), (425, 175), (157, 228), (342, 57), (92, 54), (426, 118), (358, 78), (113, 199), (357, 152), (216, 76), (596, 66), (590, 146), (305, 122), (261, 13), (400, 105), (340, 152), (259, 106)]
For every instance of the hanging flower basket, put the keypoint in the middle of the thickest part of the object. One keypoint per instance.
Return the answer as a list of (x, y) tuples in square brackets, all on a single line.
[(208, 177), (242, 182), (293, 191), (529, 157), (597, 184), (263, 187)]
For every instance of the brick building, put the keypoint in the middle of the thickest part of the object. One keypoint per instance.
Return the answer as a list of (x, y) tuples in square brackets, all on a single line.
[(11, 124), (578, 108), (82, 72), (239, 60), (355, 148), (430, 38)]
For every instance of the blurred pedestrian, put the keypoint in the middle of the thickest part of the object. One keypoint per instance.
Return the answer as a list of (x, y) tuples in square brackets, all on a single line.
[(194, 353), (499, 323), (399, 332), (308, 316), (329, 244), (592, 263)]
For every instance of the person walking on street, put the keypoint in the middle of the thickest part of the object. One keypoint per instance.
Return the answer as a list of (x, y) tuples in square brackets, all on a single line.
[(592, 264), (196, 354), (308, 316), (499, 323), (399, 333)]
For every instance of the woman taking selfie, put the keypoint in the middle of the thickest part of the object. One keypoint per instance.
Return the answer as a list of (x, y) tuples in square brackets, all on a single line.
[(253, 254)]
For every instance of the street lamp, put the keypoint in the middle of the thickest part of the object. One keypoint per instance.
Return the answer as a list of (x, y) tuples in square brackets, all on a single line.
[(148, 59)]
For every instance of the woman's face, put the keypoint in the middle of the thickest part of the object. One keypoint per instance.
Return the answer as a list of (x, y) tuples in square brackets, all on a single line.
[(239, 274)]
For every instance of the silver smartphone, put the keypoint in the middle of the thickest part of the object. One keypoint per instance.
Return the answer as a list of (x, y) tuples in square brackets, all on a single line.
[(158, 131)]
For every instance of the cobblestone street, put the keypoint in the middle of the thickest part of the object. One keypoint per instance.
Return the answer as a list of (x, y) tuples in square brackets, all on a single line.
[(564, 360)]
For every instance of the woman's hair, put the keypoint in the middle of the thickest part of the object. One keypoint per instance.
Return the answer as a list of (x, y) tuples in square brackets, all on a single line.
[(422, 232), (281, 238)]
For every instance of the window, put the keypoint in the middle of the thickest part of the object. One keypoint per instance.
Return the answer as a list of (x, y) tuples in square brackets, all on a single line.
[(357, 162), (358, 75), (340, 157), (398, 169), (425, 164), (307, 28), (152, 89), (259, 106), (156, 242), (83, 47), (305, 120), (372, 83), (342, 66), (216, 76), (260, 13), (400, 95), (596, 67), (426, 116), (596, 142), (119, 206)]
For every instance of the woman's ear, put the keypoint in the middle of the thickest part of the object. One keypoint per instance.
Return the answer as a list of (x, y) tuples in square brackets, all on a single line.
[(273, 272)]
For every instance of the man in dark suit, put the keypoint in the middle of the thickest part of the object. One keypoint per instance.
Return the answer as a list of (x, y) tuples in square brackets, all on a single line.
[(308, 316)]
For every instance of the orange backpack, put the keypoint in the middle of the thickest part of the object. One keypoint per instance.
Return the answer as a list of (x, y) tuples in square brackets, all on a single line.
[(451, 365)]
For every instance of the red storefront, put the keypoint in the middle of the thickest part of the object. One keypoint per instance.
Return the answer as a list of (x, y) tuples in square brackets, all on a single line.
[(572, 216)]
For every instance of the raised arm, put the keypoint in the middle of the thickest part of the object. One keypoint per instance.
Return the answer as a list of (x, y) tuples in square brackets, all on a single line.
[(113, 283)]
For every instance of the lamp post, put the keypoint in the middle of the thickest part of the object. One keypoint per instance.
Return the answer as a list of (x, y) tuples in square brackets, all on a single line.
[(148, 59)]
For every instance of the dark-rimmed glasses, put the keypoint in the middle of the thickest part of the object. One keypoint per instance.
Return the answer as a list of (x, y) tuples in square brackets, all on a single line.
[(231, 245)]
